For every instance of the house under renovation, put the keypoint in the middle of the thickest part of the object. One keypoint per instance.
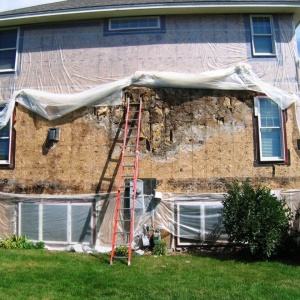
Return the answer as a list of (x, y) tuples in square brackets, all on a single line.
[(164, 103)]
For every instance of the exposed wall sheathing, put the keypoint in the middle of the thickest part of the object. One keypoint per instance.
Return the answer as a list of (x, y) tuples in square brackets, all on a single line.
[(191, 141)]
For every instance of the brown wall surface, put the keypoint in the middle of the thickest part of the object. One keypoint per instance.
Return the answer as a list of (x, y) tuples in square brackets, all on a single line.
[(191, 141)]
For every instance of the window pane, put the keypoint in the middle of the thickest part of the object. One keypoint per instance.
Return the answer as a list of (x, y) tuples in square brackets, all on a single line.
[(270, 113), (212, 221), (261, 25), (271, 143), (8, 38), (7, 59), (189, 222), (81, 223), (55, 223), (263, 44), (4, 149), (134, 23), (30, 220)]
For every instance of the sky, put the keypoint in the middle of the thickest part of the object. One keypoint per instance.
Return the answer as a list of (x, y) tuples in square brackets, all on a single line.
[(15, 4)]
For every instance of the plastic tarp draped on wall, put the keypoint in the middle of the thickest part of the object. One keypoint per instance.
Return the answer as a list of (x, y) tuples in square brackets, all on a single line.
[(64, 220), (52, 106)]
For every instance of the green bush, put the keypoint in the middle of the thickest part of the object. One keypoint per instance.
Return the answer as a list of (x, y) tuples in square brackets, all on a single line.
[(160, 248), (20, 242), (255, 218), (121, 251)]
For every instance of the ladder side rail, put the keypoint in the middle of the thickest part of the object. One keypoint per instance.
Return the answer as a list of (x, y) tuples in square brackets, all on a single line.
[(135, 178), (116, 216)]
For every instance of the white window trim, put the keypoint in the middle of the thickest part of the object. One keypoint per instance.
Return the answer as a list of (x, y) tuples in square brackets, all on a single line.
[(69, 220), (16, 49), (2, 161), (135, 28), (257, 113), (272, 35)]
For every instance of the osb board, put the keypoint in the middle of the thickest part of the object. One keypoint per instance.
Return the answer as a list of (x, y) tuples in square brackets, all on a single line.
[(192, 141)]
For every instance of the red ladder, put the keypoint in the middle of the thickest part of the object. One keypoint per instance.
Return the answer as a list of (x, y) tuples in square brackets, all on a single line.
[(129, 163)]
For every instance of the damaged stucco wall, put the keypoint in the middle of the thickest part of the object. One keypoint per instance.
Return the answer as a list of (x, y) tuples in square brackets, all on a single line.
[(191, 141)]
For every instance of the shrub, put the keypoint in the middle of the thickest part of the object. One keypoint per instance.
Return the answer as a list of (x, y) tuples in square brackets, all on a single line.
[(20, 242), (255, 218), (121, 251), (160, 248)]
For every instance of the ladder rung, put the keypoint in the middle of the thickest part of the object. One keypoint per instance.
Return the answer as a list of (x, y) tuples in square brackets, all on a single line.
[(127, 220), (130, 146), (120, 257), (126, 232), (132, 120), (131, 136), (127, 166), (129, 155), (127, 176)]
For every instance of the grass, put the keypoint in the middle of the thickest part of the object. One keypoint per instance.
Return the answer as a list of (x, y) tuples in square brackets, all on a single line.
[(39, 274)]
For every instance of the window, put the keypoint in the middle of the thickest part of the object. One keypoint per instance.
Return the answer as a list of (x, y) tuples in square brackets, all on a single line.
[(271, 136), (8, 49), (56, 222), (7, 142), (134, 23), (198, 222), (262, 35)]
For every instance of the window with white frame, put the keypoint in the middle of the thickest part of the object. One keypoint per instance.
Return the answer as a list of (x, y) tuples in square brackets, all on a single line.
[(57, 223), (6, 143), (8, 49), (271, 133), (198, 222), (262, 33), (134, 23)]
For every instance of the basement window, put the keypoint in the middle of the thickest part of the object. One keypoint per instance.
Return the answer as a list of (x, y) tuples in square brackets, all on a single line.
[(198, 222), (262, 33), (270, 131), (8, 49), (7, 144), (56, 223)]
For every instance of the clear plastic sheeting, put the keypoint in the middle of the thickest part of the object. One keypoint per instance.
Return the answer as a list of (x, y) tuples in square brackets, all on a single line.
[(52, 105), (84, 223)]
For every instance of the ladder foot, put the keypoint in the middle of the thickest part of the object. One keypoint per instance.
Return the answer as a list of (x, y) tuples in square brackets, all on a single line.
[(128, 264), (111, 263)]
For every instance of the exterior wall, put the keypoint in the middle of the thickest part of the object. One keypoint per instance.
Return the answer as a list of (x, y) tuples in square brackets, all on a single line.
[(192, 140)]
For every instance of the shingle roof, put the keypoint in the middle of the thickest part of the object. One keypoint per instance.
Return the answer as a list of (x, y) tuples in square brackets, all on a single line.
[(102, 4)]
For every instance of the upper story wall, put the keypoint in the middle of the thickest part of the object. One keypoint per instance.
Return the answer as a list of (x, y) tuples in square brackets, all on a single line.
[(72, 57)]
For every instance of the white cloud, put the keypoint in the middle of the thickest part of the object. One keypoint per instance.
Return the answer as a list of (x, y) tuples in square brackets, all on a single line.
[(15, 4)]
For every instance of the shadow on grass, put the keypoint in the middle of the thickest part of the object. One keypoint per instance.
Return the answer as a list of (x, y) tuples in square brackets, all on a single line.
[(241, 254)]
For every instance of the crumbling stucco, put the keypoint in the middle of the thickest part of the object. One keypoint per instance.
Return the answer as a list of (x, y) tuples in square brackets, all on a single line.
[(191, 141)]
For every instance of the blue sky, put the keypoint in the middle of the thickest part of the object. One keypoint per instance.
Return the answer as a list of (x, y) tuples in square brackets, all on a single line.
[(14, 4)]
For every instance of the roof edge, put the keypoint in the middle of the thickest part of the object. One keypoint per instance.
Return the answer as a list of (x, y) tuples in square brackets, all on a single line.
[(121, 11)]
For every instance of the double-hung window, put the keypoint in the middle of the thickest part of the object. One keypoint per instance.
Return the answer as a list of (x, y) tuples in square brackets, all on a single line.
[(7, 144), (8, 49), (271, 135), (262, 33)]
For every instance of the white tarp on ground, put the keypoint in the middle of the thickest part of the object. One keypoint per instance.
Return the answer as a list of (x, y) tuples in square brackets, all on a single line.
[(52, 106)]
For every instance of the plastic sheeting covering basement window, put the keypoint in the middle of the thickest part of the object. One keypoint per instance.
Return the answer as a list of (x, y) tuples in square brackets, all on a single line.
[(57, 223), (198, 222)]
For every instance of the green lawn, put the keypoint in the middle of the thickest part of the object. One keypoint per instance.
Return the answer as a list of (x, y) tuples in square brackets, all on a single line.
[(38, 274)]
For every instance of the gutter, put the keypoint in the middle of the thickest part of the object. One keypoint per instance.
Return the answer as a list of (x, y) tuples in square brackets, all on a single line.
[(164, 9)]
